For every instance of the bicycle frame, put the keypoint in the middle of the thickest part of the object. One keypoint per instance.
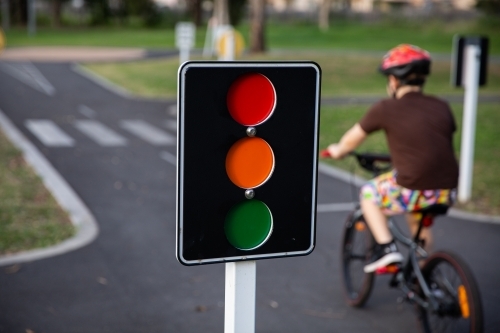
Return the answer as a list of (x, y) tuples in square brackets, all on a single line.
[(402, 277)]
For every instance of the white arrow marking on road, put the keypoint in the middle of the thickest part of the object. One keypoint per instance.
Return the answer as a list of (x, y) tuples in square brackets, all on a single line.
[(335, 207), (165, 155), (28, 74), (100, 133), (148, 133), (49, 133)]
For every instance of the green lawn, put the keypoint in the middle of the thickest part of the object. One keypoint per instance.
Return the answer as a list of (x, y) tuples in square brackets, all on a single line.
[(350, 75), (433, 34), (29, 216), (342, 74)]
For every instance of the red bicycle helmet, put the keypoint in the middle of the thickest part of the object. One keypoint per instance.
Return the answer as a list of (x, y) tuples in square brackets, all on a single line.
[(406, 59)]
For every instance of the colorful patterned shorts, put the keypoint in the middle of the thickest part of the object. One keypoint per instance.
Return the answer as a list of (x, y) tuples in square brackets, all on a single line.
[(394, 199)]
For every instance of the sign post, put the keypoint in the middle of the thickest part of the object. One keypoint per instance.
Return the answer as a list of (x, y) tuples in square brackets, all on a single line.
[(239, 311), (185, 33), (469, 71), (247, 170)]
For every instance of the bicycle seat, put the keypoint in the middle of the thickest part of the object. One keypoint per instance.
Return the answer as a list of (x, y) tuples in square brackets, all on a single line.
[(437, 209)]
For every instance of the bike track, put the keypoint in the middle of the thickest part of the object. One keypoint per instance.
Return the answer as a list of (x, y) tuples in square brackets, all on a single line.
[(128, 279)]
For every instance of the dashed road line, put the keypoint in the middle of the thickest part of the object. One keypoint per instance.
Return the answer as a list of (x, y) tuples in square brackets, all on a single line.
[(148, 133), (335, 207), (49, 133), (100, 133)]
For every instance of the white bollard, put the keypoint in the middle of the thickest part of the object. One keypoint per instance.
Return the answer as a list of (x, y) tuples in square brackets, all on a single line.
[(471, 83)]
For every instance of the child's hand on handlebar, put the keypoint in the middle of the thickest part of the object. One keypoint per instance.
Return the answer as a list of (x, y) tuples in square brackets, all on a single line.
[(332, 151)]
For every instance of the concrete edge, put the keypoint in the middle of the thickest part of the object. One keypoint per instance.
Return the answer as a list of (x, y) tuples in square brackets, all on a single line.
[(79, 214), (110, 86), (358, 181)]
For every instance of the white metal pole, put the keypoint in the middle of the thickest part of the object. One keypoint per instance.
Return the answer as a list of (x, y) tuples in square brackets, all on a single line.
[(239, 316), (183, 55), (471, 83), (231, 45), (5, 15), (31, 18)]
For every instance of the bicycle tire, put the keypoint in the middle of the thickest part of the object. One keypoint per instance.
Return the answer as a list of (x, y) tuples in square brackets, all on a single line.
[(356, 252), (460, 308)]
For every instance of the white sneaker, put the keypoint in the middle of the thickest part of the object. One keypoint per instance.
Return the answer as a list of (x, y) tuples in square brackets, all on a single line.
[(386, 255)]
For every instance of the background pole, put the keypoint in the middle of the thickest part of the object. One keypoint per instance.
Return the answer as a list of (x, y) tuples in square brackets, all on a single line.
[(471, 83), (5, 15), (31, 18)]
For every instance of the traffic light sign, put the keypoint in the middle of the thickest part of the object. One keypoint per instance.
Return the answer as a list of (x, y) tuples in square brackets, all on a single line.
[(247, 160)]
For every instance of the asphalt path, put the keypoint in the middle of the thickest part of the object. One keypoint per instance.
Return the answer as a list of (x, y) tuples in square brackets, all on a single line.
[(128, 279)]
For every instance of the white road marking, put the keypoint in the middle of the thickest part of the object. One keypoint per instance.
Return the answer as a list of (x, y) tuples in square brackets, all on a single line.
[(335, 207), (165, 155), (100, 133), (49, 133), (148, 133), (28, 74), (171, 124), (86, 111)]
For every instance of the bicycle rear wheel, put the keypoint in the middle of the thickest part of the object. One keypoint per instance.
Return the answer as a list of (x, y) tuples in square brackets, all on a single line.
[(357, 245), (453, 284)]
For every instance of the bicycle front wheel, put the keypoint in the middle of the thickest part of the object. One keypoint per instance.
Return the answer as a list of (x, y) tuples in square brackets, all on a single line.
[(356, 252), (453, 285)]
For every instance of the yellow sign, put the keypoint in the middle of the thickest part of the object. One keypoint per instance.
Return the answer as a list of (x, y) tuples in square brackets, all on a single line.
[(223, 41), (2, 40)]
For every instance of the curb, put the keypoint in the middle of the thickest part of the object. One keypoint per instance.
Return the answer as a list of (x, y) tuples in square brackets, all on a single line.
[(79, 214), (349, 178)]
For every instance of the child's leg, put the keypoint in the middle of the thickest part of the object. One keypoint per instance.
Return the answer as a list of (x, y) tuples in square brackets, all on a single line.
[(377, 222), (425, 233)]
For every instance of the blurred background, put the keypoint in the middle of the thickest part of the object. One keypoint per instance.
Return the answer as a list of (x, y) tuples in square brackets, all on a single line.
[(76, 65)]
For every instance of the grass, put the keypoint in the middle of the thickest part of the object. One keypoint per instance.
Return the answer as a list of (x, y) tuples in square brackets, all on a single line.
[(486, 183), (29, 216), (350, 74), (433, 34), (342, 74)]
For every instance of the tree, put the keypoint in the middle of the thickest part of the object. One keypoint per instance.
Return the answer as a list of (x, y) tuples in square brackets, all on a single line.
[(57, 12), (324, 15), (257, 26), (100, 12), (491, 7), (221, 12), (236, 11), (194, 8)]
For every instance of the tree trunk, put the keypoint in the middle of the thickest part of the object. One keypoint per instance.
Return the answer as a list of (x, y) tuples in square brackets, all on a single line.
[(194, 7), (324, 15), (257, 26), (221, 12), (56, 13)]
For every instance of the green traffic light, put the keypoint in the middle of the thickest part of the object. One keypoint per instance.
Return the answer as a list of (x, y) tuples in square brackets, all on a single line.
[(248, 224)]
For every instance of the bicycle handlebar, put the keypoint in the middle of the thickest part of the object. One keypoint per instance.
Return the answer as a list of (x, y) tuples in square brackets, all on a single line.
[(368, 161)]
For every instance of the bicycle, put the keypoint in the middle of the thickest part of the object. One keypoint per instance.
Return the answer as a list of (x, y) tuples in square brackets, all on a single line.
[(444, 291)]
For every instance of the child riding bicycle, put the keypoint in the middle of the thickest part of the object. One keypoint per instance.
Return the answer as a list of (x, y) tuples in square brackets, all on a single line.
[(419, 130)]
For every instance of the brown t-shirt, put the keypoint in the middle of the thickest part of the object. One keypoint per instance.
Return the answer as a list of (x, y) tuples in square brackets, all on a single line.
[(419, 131)]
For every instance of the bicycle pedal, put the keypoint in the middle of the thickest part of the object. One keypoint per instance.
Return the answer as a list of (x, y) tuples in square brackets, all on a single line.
[(390, 269)]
